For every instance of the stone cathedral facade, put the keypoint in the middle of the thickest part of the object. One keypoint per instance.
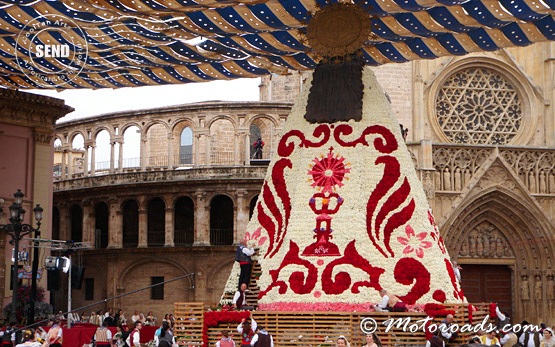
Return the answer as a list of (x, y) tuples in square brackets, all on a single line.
[(166, 193)]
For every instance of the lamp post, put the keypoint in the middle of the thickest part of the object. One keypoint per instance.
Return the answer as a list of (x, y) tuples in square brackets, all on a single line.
[(17, 230)]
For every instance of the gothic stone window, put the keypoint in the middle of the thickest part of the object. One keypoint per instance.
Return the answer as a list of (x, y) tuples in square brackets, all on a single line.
[(478, 106)]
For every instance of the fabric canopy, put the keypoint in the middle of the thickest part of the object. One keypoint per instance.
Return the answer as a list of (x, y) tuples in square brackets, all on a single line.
[(123, 43)]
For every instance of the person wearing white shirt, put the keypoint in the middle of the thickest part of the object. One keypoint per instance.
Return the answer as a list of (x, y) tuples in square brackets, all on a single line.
[(262, 338), (247, 329), (530, 338), (103, 336), (243, 255), (457, 269), (134, 338), (240, 298), (384, 304), (135, 317)]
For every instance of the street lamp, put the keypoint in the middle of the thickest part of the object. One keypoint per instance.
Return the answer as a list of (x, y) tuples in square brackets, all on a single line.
[(17, 230)]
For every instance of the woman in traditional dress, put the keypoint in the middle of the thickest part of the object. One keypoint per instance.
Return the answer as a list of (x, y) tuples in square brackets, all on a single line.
[(342, 342), (548, 339), (372, 341)]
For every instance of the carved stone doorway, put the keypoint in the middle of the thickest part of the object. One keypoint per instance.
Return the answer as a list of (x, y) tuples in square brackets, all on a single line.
[(488, 283)]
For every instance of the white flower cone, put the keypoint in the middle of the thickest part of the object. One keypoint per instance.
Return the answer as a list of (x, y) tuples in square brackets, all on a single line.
[(342, 214)]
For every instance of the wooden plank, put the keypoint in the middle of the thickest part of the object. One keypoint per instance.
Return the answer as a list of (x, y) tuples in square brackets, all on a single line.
[(321, 329), (189, 323)]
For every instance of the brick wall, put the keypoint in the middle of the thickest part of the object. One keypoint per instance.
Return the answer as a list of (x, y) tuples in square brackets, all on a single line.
[(396, 81)]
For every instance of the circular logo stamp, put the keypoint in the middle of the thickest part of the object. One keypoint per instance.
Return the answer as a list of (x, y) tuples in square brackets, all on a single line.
[(368, 325), (51, 50)]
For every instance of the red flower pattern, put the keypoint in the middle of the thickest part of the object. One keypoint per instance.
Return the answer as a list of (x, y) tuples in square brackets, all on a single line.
[(256, 237), (328, 172), (406, 241), (409, 271)]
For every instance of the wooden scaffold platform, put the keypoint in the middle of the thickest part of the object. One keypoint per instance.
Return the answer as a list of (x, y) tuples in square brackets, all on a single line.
[(196, 326)]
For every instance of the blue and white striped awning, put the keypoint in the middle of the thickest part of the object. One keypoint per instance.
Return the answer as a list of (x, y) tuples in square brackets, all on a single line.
[(126, 43)]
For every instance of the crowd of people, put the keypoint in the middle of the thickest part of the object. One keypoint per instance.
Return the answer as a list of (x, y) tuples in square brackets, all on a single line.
[(127, 331), (113, 319)]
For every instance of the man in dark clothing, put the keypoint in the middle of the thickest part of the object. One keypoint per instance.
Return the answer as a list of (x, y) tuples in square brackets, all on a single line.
[(240, 299), (258, 146), (262, 338), (243, 256)]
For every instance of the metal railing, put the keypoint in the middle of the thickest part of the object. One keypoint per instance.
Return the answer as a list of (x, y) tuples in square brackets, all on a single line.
[(131, 162), (156, 238), (130, 239), (183, 160), (220, 237), (149, 163), (184, 237), (222, 158)]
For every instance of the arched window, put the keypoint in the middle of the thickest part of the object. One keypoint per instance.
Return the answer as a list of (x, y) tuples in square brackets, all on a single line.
[(254, 134), (130, 224), (76, 216), (101, 223), (75, 158), (186, 147), (184, 233), (156, 222), (478, 105), (221, 220), (58, 154), (102, 151), (131, 148)]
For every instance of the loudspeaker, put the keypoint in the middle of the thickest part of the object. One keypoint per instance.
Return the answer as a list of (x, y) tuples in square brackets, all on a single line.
[(53, 280), (50, 263), (77, 275)]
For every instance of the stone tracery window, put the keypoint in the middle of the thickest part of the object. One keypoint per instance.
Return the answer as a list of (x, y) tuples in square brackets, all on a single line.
[(478, 106)]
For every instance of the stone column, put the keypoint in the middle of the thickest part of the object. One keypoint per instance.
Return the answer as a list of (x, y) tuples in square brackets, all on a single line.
[(144, 153), (112, 156), (247, 149), (86, 161), (115, 225), (64, 218), (71, 168), (196, 158), (170, 228), (64, 164), (143, 227), (120, 156), (170, 151), (242, 215), (93, 159), (236, 154), (419, 109), (547, 111), (88, 222), (202, 223)]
